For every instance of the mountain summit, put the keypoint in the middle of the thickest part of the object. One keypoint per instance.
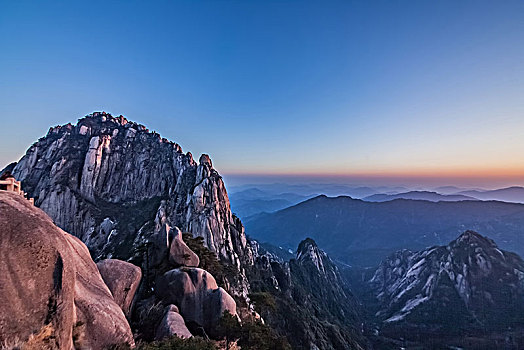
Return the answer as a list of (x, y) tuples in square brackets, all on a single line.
[(113, 183), (468, 285)]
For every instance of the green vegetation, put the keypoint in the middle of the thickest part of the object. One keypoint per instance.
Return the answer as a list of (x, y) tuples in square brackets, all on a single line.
[(263, 301), (224, 273), (229, 328), (208, 259), (253, 335), (257, 336), (195, 343), (146, 320), (175, 343)]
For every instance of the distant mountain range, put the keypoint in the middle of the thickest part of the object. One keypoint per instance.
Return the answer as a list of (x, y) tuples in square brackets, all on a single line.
[(247, 201), (513, 194), (362, 233), (312, 189), (253, 201), (419, 195)]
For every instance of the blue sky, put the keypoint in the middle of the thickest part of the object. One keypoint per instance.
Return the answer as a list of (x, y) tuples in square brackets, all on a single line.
[(327, 87)]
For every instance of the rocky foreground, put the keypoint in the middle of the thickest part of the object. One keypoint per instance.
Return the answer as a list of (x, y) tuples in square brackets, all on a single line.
[(54, 292), (50, 285)]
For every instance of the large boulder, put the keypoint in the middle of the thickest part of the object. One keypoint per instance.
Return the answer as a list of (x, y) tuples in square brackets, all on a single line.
[(167, 244), (197, 295), (172, 325), (179, 252), (122, 279), (49, 284)]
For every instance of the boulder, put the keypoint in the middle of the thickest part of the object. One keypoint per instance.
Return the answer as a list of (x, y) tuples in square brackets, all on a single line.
[(196, 294), (167, 243), (172, 325), (122, 279), (179, 252), (50, 285)]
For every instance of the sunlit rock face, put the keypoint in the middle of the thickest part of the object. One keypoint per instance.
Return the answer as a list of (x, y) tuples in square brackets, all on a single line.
[(468, 284), (113, 184), (50, 286)]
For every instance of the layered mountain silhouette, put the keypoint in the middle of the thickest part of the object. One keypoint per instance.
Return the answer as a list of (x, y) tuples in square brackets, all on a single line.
[(418, 195), (252, 201), (363, 233), (513, 194)]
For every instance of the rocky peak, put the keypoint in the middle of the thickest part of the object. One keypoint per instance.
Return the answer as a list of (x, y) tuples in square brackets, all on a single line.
[(472, 239), (467, 283), (113, 183), (309, 252), (205, 160), (318, 309)]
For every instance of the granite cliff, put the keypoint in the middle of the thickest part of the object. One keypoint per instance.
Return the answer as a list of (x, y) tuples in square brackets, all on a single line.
[(114, 184)]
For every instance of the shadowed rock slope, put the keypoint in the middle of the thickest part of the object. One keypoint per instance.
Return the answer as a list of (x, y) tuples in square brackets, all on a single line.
[(307, 300)]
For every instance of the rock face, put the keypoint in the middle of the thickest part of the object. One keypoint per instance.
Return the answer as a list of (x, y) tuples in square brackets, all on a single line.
[(172, 325), (122, 279), (469, 284), (197, 296), (113, 184), (49, 280)]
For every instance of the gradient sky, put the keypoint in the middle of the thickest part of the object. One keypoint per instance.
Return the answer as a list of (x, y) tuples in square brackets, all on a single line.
[(349, 88)]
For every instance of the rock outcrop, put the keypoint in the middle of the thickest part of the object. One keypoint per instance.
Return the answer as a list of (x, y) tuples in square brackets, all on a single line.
[(200, 301), (122, 279), (179, 252), (310, 303), (470, 284), (172, 325), (49, 282), (114, 184)]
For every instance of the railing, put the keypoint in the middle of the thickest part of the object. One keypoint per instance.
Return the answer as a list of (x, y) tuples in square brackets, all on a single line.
[(10, 184)]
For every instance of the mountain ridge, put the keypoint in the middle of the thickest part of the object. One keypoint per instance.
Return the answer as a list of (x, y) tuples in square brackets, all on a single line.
[(418, 195), (363, 233), (467, 286)]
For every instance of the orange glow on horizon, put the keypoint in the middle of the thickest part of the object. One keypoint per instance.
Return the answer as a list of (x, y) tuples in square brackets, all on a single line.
[(508, 173)]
